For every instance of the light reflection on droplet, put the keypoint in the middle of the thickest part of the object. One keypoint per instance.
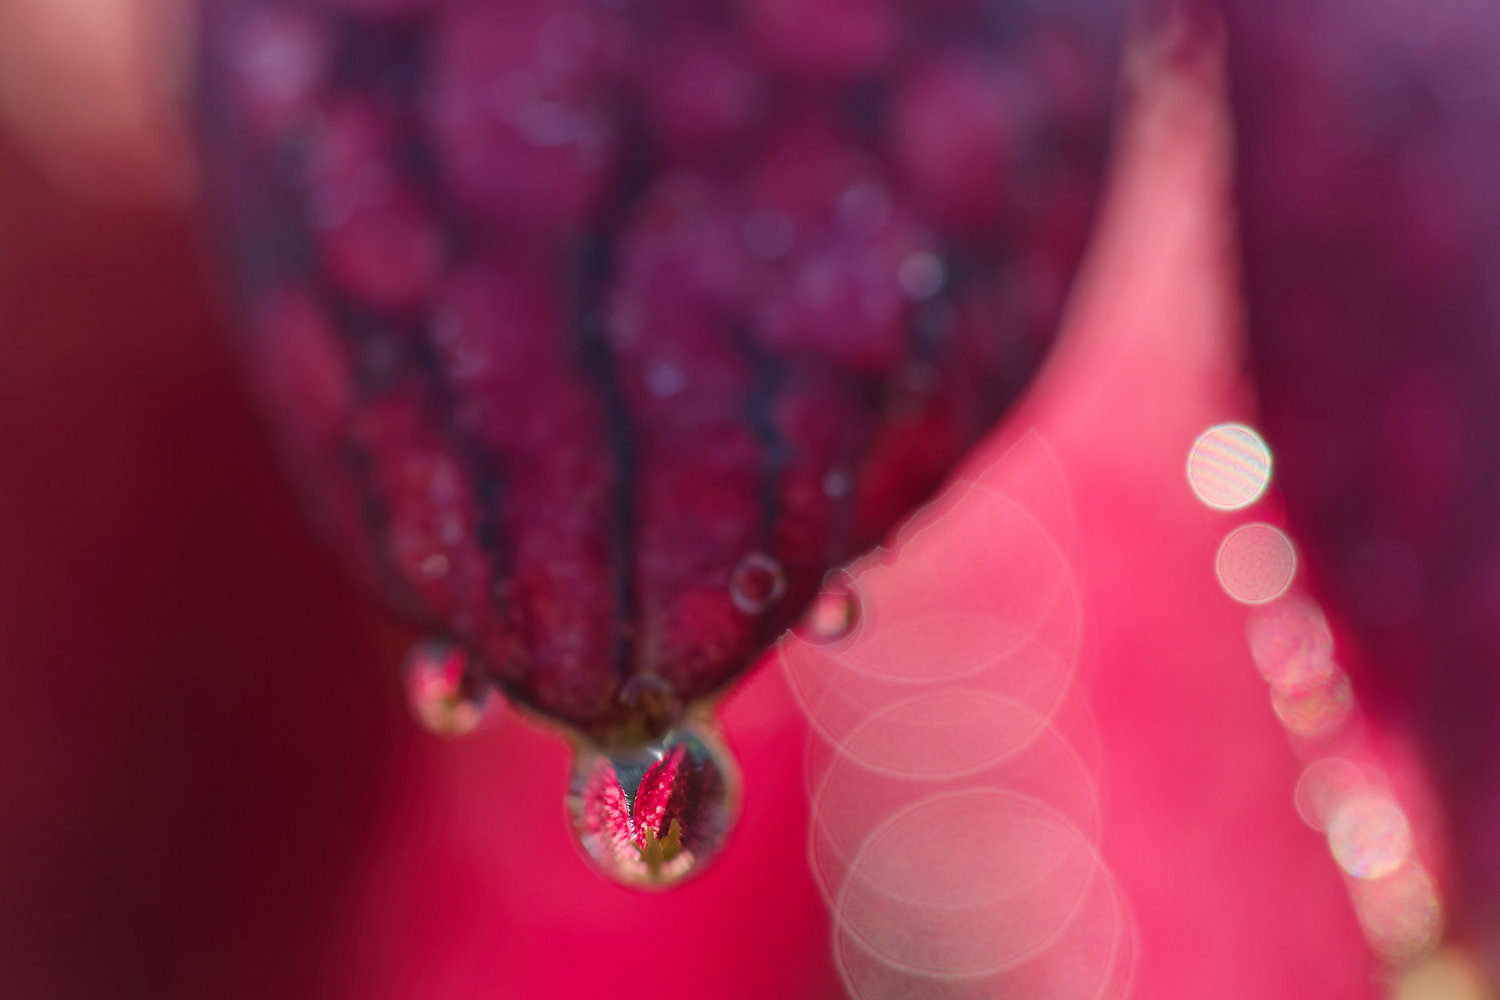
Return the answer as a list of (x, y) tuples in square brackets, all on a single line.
[(1229, 467), (832, 616), (1291, 644), (445, 691), (1256, 563), (757, 583), (1317, 711), (1369, 836), (1401, 914)]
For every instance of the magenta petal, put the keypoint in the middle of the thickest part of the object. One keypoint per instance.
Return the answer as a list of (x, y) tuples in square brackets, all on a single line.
[(655, 795), (606, 370)]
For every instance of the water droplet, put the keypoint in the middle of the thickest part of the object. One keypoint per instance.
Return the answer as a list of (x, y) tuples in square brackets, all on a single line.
[(757, 583), (837, 484), (445, 689), (651, 705), (832, 615), (653, 815)]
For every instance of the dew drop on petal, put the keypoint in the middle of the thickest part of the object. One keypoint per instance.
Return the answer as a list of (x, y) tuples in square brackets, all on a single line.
[(445, 690), (832, 616), (757, 583), (653, 815)]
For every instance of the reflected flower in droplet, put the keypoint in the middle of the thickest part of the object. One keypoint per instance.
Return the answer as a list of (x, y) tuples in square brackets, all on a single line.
[(651, 816)]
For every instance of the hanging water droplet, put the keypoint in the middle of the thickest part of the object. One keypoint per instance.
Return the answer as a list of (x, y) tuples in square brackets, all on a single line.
[(445, 690), (651, 706), (654, 815), (757, 583), (832, 615)]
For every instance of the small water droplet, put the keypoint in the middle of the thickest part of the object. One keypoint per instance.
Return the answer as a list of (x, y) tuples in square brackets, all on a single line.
[(832, 615), (651, 705), (757, 583), (654, 815), (445, 690), (837, 484), (373, 184)]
